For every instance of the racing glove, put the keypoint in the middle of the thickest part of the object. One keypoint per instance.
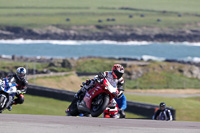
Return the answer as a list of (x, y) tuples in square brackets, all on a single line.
[(121, 90), (120, 94), (18, 92), (100, 75), (88, 82)]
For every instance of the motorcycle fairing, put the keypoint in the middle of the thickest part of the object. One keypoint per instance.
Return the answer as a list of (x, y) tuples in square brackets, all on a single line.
[(93, 93), (7, 91), (9, 87)]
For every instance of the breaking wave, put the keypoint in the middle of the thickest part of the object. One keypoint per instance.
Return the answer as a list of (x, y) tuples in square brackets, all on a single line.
[(149, 57), (192, 59), (72, 42), (91, 42)]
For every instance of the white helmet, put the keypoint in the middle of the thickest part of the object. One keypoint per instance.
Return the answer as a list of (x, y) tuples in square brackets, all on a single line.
[(21, 73)]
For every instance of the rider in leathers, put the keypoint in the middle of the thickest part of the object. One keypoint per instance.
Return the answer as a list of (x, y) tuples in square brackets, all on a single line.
[(122, 104), (19, 79), (114, 77), (162, 113)]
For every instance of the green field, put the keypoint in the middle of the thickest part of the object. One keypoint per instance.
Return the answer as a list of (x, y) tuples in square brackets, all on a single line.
[(162, 80), (187, 109), (40, 106), (46, 106), (159, 79), (41, 13), (11, 66), (88, 66)]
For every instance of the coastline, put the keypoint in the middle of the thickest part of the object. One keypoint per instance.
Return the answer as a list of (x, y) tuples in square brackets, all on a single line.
[(76, 45), (100, 33)]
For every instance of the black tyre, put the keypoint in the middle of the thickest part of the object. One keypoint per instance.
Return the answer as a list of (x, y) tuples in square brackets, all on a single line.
[(2, 102), (99, 104), (73, 110)]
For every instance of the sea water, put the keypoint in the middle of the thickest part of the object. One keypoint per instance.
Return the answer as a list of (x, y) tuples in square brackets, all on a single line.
[(141, 50)]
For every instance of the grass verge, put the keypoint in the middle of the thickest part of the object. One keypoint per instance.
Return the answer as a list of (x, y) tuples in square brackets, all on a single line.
[(163, 80), (187, 109), (46, 106), (40, 106), (94, 65)]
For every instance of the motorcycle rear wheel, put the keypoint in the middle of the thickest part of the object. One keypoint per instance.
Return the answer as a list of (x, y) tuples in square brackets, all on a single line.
[(103, 101)]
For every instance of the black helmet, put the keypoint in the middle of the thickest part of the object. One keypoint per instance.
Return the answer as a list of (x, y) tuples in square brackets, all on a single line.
[(162, 105)]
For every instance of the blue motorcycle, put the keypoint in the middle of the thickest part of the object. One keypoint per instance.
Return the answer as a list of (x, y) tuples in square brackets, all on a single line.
[(7, 92)]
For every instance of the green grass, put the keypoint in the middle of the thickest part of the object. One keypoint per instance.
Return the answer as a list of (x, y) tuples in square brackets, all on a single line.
[(159, 79), (8, 66), (169, 5), (41, 13), (187, 109), (40, 106), (11, 66), (55, 78), (94, 65), (46, 106), (162, 80)]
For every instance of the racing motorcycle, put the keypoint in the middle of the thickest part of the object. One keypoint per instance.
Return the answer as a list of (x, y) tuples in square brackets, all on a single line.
[(95, 100), (7, 93)]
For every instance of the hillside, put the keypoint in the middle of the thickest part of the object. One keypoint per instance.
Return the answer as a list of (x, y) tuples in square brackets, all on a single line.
[(130, 20), (138, 74)]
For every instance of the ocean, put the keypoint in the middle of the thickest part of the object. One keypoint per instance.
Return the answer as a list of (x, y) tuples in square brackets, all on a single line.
[(66, 49)]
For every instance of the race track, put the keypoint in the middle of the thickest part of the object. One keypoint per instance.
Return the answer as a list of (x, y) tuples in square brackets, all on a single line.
[(15, 123)]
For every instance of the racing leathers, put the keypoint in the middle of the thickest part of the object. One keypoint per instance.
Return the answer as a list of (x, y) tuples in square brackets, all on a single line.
[(122, 104), (21, 88), (108, 74), (163, 115)]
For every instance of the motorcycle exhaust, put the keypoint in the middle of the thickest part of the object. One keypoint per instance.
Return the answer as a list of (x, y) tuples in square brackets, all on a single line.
[(82, 107)]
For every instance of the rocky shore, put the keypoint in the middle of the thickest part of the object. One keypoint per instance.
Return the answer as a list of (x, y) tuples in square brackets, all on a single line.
[(134, 68), (114, 33)]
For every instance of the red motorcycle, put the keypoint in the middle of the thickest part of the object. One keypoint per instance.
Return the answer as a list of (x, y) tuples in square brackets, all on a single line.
[(95, 100)]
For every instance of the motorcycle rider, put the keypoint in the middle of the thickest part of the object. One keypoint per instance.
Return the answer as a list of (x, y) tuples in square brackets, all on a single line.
[(122, 104), (19, 79), (114, 77), (162, 113)]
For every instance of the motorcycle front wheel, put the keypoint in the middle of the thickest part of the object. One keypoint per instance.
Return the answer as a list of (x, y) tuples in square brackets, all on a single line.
[(99, 104), (2, 102)]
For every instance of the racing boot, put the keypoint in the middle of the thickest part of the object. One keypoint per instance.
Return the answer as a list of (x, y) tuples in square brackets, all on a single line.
[(9, 108), (122, 113)]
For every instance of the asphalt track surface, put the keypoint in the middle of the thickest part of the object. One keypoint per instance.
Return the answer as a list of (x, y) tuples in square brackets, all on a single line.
[(15, 123)]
